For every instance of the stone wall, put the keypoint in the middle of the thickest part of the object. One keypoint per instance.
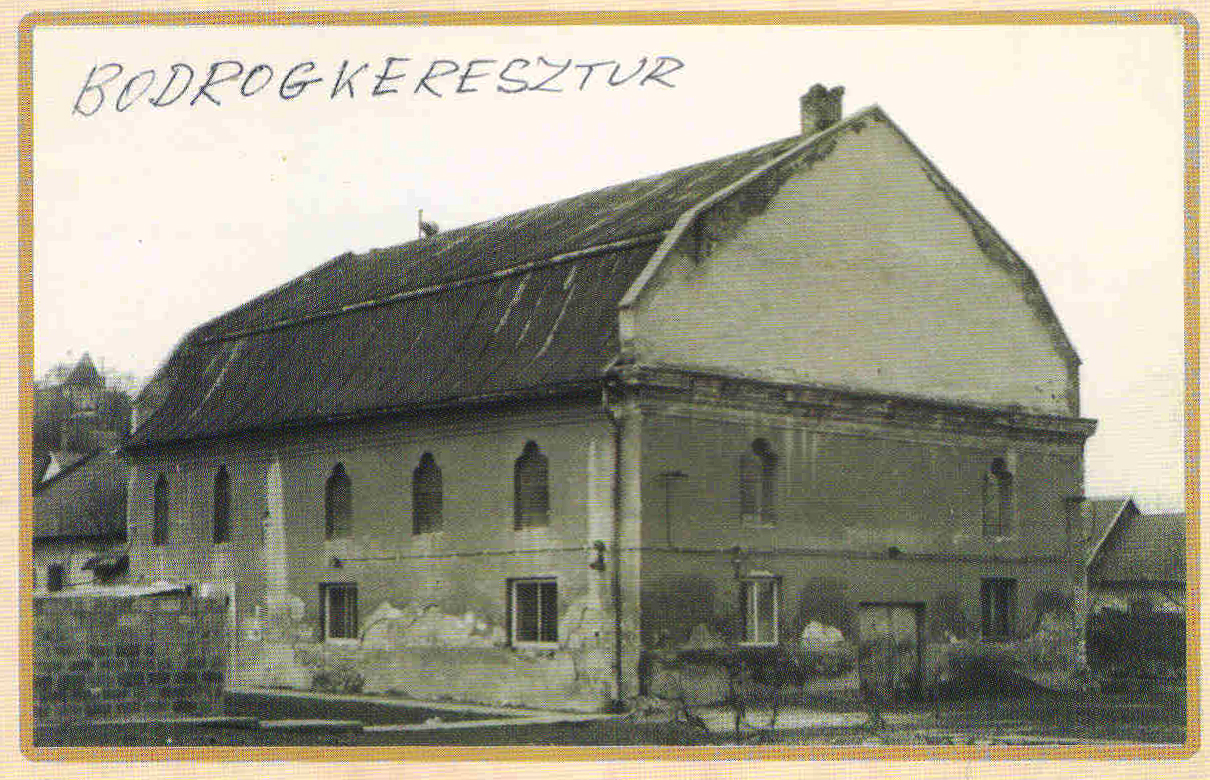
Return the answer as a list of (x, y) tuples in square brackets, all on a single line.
[(126, 654)]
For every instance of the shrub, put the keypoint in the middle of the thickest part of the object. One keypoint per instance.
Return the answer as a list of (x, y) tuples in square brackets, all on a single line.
[(1136, 643), (338, 679)]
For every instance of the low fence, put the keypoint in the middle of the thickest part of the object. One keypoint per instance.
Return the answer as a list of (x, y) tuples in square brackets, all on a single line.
[(127, 653)]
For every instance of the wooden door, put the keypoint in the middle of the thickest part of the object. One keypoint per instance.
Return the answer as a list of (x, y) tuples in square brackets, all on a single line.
[(889, 652)]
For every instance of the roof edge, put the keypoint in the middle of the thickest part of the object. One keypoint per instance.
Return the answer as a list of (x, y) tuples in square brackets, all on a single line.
[(71, 468), (972, 214), (1109, 529), (562, 390)]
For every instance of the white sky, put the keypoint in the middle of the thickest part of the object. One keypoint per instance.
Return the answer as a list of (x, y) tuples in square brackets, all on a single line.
[(1068, 139)]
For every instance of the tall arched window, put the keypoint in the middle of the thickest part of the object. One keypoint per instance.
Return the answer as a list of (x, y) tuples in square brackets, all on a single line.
[(426, 496), (338, 504), (997, 499), (159, 511), (758, 483), (222, 506), (531, 494)]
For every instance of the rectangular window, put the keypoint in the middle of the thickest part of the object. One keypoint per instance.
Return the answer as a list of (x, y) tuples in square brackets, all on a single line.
[(535, 611), (760, 608), (999, 604), (339, 613)]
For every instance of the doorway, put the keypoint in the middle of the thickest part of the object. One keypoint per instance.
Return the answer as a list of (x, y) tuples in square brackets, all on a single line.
[(889, 652)]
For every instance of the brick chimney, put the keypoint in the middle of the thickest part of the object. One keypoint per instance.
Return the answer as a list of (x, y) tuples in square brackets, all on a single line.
[(821, 108)]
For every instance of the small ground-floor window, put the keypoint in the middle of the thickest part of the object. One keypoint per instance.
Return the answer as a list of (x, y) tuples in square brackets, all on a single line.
[(999, 603), (535, 611), (759, 605), (54, 577), (339, 612)]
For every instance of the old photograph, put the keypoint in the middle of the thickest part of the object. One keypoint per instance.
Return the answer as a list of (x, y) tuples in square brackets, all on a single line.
[(623, 385)]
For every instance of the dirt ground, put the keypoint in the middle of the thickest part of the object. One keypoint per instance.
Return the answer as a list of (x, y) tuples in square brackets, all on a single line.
[(1150, 717)]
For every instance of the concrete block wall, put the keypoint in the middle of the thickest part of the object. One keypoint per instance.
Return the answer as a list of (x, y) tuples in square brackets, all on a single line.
[(127, 655)]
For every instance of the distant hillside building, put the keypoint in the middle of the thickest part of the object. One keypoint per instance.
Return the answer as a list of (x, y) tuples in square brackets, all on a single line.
[(78, 413)]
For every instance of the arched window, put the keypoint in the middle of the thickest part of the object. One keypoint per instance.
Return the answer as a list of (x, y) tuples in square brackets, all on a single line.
[(159, 512), (758, 483), (338, 504), (222, 506), (426, 496), (997, 499), (531, 495)]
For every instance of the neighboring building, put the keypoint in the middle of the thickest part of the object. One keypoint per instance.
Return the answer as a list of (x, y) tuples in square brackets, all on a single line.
[(79, 531), (1138, 561), (1136, 583), (800, 389)]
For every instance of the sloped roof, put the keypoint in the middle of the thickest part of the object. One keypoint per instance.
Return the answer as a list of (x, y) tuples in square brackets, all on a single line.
[(85, 373), (523, 302), (87, 498), (41, 462), (1144, 549), (1099, 514), (521, 305)]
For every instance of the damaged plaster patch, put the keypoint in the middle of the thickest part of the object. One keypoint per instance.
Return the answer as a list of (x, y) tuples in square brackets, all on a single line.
[(415, 625)]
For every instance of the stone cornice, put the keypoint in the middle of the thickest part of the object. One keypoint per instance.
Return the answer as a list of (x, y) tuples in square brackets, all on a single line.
[(820, 402)]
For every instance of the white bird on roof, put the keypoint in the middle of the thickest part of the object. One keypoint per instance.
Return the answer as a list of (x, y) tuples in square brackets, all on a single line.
[(426, 228)]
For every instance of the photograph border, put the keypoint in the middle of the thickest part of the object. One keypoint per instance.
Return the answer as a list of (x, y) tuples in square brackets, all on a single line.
[(1191, 171)]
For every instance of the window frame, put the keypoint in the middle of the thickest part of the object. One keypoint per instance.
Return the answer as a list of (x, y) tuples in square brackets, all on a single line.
[(427, 469), (531, 457), (750, 610), (220, 519), (997, 597), (161, 510), (326, 590), (514, 618), (758, 484), (338, 475)]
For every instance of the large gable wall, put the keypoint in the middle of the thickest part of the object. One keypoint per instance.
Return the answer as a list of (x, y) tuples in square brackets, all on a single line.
[(860, 272)]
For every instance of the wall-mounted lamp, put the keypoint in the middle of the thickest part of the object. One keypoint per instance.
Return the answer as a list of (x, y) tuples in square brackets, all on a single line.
[(737, 560), (335, 562), (598, 556)]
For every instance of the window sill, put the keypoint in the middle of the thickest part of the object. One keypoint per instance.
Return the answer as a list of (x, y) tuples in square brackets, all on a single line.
[(342, 641), (759, 644), (535, 647)]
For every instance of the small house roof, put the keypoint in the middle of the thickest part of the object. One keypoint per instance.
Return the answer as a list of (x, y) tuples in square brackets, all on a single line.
[(1142, 549), (85, 499), (1100, 513)]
